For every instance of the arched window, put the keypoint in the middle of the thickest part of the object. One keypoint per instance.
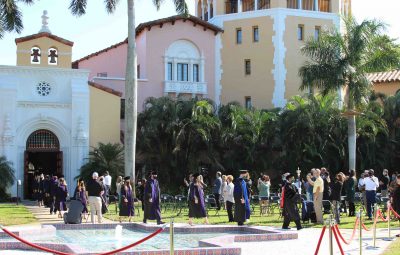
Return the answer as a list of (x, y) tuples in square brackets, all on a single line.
[(42, 140), (35, 55), (183, 62), (52, 56)]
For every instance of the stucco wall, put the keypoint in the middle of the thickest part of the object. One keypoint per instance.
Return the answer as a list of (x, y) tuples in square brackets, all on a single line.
[(259, 85), (389, 88), (113, 62), (104, 117), (294, 59), (44, 43), (158, 41), (151, 48)]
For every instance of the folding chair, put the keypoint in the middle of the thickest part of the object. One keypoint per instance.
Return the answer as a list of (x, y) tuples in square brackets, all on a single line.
[(211, 204)]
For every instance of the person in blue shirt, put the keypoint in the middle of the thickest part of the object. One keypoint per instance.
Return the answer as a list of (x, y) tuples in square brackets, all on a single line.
[(242, 203)]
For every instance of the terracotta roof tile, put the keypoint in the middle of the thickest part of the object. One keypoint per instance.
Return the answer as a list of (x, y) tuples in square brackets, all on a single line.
[(159, 22), (44, 34), (381, 77), (104, 88), (172, 19)]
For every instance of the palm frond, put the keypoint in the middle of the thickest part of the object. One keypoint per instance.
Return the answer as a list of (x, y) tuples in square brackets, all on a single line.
[(111, 5), (78, 7)]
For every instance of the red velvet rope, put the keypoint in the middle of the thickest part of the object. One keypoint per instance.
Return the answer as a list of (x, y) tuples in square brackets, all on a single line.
[(381, 216), (337, 241), (364, 227), (320, 240), (63, 253), (352, 235), (395, 213)]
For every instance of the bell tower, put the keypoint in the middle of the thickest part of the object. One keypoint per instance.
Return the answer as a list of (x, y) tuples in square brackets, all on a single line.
[(44, 49)]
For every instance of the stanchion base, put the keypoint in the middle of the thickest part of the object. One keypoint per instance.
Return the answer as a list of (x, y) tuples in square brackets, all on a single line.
[(372, 248), (388, 239)]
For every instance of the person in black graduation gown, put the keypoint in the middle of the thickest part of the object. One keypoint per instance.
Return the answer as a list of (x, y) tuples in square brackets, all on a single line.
[(395, 196), (152, 200), (242, 203), (290, 210)]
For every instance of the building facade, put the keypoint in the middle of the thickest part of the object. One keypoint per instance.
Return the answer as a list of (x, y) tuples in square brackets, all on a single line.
[(259, 50), (49, 112)]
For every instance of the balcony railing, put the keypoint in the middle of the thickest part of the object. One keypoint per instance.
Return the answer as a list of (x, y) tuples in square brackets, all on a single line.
[(323, 5), (185, 87)]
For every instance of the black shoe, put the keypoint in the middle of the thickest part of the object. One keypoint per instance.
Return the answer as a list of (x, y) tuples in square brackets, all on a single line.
[(299, 228), (287, 228), (160, 222), (240, 223), (145, 221)]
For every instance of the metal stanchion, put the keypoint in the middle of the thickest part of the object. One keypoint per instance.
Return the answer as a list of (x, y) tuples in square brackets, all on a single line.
[(360, 229), (171, 237), (389, 238), (374, 230), (331, 222)]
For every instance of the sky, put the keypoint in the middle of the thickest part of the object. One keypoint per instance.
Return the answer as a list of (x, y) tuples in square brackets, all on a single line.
[(97, 30)]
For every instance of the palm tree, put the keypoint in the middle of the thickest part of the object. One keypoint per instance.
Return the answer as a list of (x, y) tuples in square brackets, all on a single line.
[(11, 16), (105, 157), (78, 7), (7, 176), (341, 61)]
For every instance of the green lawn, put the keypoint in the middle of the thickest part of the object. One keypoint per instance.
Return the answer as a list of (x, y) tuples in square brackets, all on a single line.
[(393, 249), (11, 214), (255, 219)]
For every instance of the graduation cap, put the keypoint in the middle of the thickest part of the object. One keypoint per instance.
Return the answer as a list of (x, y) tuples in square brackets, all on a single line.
[(153, 173), (243, 171), (127, 178), (289, 176), (195, 176)]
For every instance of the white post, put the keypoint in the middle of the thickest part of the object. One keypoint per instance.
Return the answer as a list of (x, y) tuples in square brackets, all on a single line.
[(299, 2), (190, 70), (195, 8), (174, 69), (255, 5), (214, 8), (316, 7), (208, 10), (202, 69), (202, 10), (239, 6)]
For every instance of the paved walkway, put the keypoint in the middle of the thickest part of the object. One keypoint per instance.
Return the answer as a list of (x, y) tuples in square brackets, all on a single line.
[(307, 243), (42, 214)]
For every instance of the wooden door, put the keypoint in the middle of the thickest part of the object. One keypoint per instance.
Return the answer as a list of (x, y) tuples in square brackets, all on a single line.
[(60, 163)]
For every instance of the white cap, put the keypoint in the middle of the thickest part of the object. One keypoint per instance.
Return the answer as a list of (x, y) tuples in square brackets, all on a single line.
[(95, 175)]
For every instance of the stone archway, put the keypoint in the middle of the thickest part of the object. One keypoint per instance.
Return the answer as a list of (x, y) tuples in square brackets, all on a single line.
[(42, 156)]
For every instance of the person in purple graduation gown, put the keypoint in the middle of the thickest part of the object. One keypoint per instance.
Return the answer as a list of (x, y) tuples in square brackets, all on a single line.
[(127, 202), (152, 200), (197, 208), (82, 196)]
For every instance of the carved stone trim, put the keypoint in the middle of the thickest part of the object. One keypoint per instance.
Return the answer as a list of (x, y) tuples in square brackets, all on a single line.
[(26, 104)]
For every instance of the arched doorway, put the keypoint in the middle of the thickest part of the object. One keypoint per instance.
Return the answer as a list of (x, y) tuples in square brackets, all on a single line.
[(42, 156)]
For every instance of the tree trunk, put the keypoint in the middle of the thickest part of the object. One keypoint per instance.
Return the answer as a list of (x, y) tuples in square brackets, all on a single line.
[(352, 136), (131, 96)]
